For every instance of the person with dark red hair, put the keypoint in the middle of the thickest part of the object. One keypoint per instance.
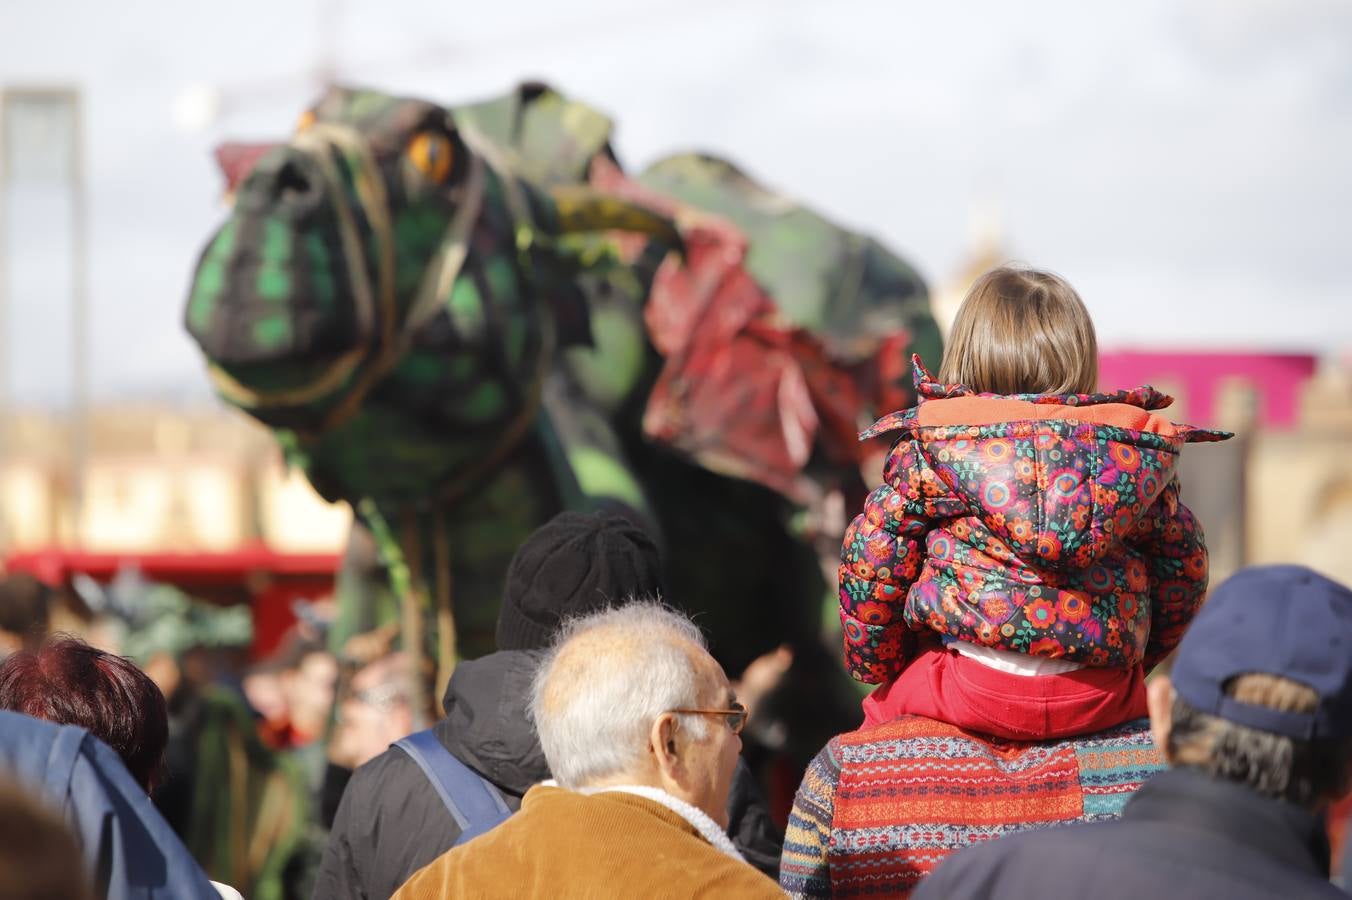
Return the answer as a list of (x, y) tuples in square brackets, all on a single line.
[(69, 682)]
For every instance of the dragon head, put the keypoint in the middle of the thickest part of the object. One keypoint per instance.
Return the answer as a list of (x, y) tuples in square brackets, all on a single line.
[(334, 239), (346, 244)]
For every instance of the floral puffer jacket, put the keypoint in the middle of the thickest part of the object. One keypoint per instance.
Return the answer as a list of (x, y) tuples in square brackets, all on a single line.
[(1042, 524)]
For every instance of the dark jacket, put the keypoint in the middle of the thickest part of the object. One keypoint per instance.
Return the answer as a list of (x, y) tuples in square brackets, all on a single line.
[(1184, 834), (390, 822), (128, 848)]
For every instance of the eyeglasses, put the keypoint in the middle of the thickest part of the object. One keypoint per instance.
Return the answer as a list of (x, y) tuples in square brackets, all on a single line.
[(735, 716)]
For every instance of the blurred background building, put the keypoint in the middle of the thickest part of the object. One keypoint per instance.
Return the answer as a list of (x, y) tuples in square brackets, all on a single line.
[(158, 479)]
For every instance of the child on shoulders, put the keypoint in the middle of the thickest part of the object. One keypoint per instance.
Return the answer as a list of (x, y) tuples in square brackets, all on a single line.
[(1028, 526)]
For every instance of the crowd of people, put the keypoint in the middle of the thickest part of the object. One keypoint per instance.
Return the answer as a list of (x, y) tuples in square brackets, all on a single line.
[(1060, 706)]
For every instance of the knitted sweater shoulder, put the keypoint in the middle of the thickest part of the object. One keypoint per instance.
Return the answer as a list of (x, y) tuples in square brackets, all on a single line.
[(880, 808), (570, 846)]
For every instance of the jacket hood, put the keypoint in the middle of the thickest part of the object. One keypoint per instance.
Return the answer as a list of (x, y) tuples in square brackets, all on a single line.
[(487, 724), (1060, 478), (975, 408)]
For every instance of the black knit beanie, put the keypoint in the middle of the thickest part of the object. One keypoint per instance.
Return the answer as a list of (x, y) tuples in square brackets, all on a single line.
[(572, 565)]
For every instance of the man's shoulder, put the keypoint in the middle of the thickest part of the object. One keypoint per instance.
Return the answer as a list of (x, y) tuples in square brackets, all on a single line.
[(390, 823), (738, 879), (391, 784), (922, 728), (390, 763), (900, 734), (1121, 757), (644, 841)]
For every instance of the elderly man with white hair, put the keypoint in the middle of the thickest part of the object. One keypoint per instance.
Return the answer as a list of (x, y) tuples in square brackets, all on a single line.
[(639, 726)]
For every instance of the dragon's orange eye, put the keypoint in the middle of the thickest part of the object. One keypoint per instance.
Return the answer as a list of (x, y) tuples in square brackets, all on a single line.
[(431, 154), (306, 119)]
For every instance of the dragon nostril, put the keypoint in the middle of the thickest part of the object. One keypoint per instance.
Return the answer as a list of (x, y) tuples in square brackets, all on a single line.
[(292, 181)]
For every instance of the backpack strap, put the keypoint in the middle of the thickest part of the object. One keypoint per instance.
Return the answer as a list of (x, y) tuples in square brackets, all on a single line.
[(472, 801)]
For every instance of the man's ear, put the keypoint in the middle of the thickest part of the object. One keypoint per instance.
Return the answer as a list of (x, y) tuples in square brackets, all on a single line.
[(1159, 700), (662, 742)]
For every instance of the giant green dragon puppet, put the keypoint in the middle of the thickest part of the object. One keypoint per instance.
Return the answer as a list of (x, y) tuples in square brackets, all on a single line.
[(463, 320)]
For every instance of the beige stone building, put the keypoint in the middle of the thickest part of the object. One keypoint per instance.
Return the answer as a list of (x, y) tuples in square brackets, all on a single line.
[(156, 480), (1299, 492)]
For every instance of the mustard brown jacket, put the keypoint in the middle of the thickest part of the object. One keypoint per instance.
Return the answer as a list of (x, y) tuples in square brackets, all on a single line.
[(565, 845)]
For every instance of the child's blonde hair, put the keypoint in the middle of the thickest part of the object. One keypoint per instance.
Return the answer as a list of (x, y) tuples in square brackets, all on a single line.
[(1022, 331)]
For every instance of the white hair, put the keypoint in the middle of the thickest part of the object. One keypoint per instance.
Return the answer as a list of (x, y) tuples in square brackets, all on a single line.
[(605, 680)]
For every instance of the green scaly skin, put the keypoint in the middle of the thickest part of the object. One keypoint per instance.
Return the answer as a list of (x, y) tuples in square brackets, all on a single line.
[(462, 381)]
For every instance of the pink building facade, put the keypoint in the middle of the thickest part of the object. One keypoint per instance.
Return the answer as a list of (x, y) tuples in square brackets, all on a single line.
[(1200, 381)]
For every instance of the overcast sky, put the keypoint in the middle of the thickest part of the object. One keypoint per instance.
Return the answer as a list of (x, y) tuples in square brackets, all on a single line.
[(1186, 163)]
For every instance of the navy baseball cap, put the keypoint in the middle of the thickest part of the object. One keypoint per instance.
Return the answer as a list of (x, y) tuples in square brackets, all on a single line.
[(1276, 620)]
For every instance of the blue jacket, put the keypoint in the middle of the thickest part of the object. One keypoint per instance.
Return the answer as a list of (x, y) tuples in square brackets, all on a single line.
[(129, 850), (1184, 834)]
